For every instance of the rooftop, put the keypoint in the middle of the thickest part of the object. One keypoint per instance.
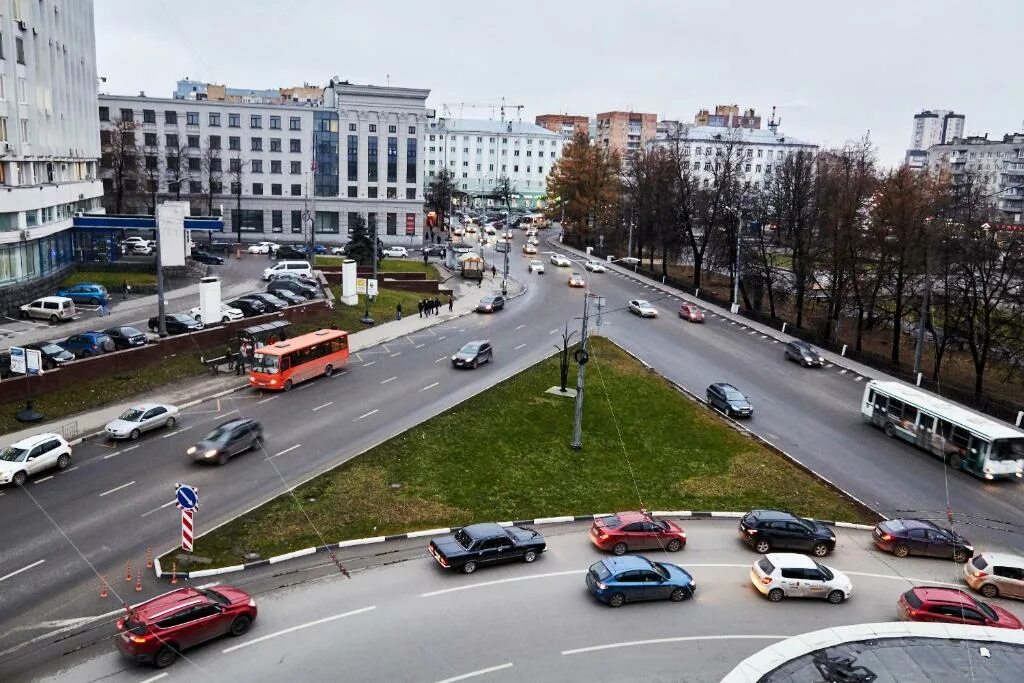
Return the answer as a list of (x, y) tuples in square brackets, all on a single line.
[(763, 136), (491, 127)]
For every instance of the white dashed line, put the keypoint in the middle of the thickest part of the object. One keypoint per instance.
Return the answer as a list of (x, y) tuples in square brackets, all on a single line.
[(396, 353), (153, 679), (117, 488), (375, 410), (389, 379), (521, 327), (519, 347), (23, 569), (265, 400), (176, 431), (553, 331), (430, 386), (440, 359), (859, 378), (131, 448), (843, 371), (366, 365), (108, 457), (40, 481), (287, 450), (329, 403), (829, 365), (70, 469), (165, 505), (419, 346)]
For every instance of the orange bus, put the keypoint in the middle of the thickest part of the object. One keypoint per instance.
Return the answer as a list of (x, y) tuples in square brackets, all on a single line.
[(284, 364)]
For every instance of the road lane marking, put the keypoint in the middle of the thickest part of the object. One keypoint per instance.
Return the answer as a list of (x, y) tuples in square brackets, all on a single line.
[(419, 346), (70, 469), (23, 569), (286, 631), (329, 403), (389, 379), (496, 582), (40, 481), (430, 386), (553, 331), (519, 347), (130, 448), (165, 505), (108, 457), (859, 378), (366, 365), (305, 386), (843, 371), (287, 450), (122, 486), (440, 338), (828, 365), (176, 431), (440, 359), (267, 399), (396, 353), (151, 679), (478, 672), (659, 641), (375, 410), (521, 327)]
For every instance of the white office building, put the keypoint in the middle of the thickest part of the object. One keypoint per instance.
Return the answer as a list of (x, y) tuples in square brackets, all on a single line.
[(49, 140), (998, 164), (290, 167), (479, 152), (932, 127)]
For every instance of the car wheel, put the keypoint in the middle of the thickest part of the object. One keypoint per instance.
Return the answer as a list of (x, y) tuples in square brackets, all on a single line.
[(170, 423), (225, 319), (287, 385), (776, 595), (134, 435), (53, 319), (679, 594), (960, 555), (955, 461), (617, 600), (63, 461), (165, 656), (240, 625), (23, 315), (476, 363), (820, 550), (836, 597), (222, 459), (990, 591), (674, 545), (328, 371), (469, 567), (94, 301), (763, 546), (86, 353), (529, 556), (889, 429), (619, 549), (19, 478)]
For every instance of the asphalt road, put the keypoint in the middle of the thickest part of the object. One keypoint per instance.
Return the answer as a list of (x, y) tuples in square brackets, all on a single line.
[(413, 621)]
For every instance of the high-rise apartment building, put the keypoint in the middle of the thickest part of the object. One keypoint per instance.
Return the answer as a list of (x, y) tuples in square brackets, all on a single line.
[(932, 127), (997, 164), (625, 132), (564, 124), (728, 116)]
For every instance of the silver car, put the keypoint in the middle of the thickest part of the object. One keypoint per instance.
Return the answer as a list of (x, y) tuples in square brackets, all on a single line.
[(996, 575), (142, 418), (643, 308)]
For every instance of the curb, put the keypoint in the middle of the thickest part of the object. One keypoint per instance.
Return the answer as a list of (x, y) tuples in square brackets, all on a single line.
[(539, 521)]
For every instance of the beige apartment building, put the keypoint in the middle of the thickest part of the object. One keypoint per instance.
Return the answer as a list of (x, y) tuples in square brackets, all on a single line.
[(564, 124), (625, 131)]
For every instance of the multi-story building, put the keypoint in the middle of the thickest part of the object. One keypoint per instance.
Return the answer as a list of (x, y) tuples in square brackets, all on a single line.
[(932, 127), (728, 116), (187, 89), (276, 168), (49, 141), (481, 152), (625, 131), (998, 164), (564, 124)]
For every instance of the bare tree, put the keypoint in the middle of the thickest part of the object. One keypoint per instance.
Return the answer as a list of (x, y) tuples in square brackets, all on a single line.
[(236, 172), (792, 200), (121, 165), (176, 166), (211, 168)]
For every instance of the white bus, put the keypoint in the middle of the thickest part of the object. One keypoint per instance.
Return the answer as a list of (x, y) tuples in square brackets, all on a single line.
[(963, 438)]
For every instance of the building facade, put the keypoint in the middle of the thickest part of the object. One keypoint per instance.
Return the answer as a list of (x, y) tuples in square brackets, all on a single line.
[(275, 170), (565, 125), (932, 127), (625, 131), (479, 152), (998, 164), (728, 116), (49, 141), (187, 89)]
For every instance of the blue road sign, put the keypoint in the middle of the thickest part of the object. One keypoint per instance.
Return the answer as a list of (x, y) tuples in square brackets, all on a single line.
[(187, 497)]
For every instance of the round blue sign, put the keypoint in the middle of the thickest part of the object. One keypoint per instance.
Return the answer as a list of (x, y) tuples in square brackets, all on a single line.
[(187, 497)]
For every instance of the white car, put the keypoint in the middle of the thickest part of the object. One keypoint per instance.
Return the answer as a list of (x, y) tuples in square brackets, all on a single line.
[(470, 229), (536, 266), (338, 251), (643, 308), (144, 248), (533, 240), (142, 418), (227, 313), (396, 252), (130, 242), (262, 248), (560, 261), (594, 266), (529, 249), (33, 455), (490, 229), (531, 232), (790, 575)]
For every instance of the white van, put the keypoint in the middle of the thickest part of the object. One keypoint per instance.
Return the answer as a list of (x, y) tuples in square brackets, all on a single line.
[(300, 268), (52, 308)]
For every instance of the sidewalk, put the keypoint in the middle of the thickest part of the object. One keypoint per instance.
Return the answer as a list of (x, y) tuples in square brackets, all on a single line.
[(189, 393)]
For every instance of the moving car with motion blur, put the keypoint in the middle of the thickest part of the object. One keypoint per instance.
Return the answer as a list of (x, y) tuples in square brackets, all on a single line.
[(788, 575), (594, 266), (642, 308), (473, 354), (142, 418), (903, 537), (292, 284), (576, 280), (560, 261), (804, 353), (529, 249), (691, 312), (633, 578), (227, 440), (491, 303), (396, 252), (200, 256), (86, 293), (249, 307), (536, 266), (952, 606), (482, 544), (626, 531)]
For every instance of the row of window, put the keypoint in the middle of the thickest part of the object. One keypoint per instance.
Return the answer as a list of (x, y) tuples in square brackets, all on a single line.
[(490, 167), (216, 187), (491, 151), (171, 118), (325, 223), (467, 138), (193, 141), (354, 128), (29, 260), (19, 49), (749, 153)]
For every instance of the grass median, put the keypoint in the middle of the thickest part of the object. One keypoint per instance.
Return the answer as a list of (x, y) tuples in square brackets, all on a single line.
[(505, 454), (113, 281)]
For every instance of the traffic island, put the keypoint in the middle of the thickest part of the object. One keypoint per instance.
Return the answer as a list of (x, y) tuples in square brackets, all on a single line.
[(506, 455)]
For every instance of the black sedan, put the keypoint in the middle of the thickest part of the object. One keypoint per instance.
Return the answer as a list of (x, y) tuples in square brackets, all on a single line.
[(473, 354), (127, 337), (293, 285), (729, 400), (480, 544), (269, 301), (903, 537), (249, 307), (288, 296), (291, 252), (176, 323), (804, 353), (53, 356), (226, 440), (490, 304), (205, 257)]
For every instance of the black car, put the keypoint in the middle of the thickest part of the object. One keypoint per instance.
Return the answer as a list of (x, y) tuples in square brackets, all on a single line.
[(204, 257), (249, 307), (903, 537), (480, 544), (293, 285), (490, 304), (729, 400), (53, 356), (126, 337), (289, 252), (269, 301), (434, 250), (226, 440), (770, 530), (804, 353), (176, 323), (289, 297), (473, 354)]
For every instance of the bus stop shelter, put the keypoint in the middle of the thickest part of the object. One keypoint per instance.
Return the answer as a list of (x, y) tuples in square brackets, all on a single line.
[(251, 338)]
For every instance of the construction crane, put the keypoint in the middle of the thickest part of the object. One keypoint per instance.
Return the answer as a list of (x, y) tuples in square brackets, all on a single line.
[(448, 108)]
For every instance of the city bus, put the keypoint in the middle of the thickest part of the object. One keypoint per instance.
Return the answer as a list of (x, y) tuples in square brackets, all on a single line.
[(967, 440), (282, 365)]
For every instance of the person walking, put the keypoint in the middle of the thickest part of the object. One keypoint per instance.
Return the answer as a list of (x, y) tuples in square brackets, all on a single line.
[(451, 303), (494, 271), (126, 289), (398, 311), (437, 306), (419, 306)]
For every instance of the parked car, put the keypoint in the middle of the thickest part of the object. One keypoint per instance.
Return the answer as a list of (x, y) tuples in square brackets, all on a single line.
[(594, 266), (576, 280), (491, 303), (643, 308), (289, 251), (269, 301), (952, 606), (52, 308), (87, 344), (996, 575), (729, 400), (396, 252), (434, 250), (293, 285), (53, 356), (300, 268), (176, 323), (5, 364), (473, 354), (249, 307), (33, 455), (338, 251), (86, 293), (787, 575), (633, 578), (560, 261), (536, 266), (290, 298), (803, 353), (768, 530), (227, 313), (262, 248), (126, 337), (320, 248), (625, 531), (481, 544), (142, 418), (142, 248), (226, 440), (130, 242), (158, 630), (903, 537), (691, 312), (201, 256)]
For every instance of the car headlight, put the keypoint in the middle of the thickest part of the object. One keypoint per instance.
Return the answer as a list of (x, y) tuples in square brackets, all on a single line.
[(210, 453), (191, 450)]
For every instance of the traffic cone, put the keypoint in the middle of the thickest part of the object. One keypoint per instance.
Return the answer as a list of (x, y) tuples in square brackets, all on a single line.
[(128, 571), (238, 252), (174, 573), (149, 558), (103, 586), (138, 583)]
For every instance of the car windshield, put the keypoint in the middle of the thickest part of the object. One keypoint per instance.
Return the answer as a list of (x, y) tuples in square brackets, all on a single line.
[(600, 571), (463, 539), (131, 415), (733, 395), (217, 433), (826, 571), (264, 362), (487, 300), (1007, 449), (51, 349), (470, 348), (12, 454), (642, 304)]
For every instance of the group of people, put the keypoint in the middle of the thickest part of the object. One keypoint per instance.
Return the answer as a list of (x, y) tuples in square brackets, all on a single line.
[(431, 306)]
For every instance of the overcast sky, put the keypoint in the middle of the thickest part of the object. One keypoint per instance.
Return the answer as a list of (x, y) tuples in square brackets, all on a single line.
[(834, 70)]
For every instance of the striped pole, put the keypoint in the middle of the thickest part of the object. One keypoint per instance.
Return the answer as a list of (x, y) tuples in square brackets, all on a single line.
[(186, 530)]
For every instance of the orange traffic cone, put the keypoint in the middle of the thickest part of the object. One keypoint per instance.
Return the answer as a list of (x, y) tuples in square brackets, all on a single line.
[(238, 252), (138, 583), (103, 586), (128, 571), (174, 573), (149, 557)]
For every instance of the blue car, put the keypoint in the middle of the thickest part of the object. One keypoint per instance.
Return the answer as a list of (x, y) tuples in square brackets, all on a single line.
[(88, 344), (86, 293), (632, 578)]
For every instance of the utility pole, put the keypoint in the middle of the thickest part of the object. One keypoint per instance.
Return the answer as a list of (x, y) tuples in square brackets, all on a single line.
[(581, 359), (160, 304), (736, 268), (923, 322)]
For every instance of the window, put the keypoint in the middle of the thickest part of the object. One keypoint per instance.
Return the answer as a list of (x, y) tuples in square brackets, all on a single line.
[(170, 118), (392, 193), (192, 118), (256, 144), (326, 222), (371, 192), (214, 141), (256, 165), (173, 162), (235, 165), (275, 123), (294, 123), (215, 119), (410, 193), (234, 121), (216, 187), (19, 49), (296, 190), (353, 158), (294, 145), (295, 167), (412, 131), (392, 160), (296, 219), (151, 163), (255, 121), (352, 128), (275, 166), (277, 221), (371, 157), (275, 189), (392, 224), (257, 188), (353, 191), (215, 164), (235, 143), (148, 116), (410, 161), (275, 144), (373, 127), (236, 188), (195, 187), (192, 141), (171, 140), (194, 163), (150, 139)]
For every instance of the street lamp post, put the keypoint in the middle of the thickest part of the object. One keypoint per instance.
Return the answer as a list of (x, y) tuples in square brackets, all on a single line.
[(367, 319), (582, 357)]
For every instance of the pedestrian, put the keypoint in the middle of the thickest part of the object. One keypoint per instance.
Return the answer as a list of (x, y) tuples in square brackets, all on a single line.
[(126, 289), (103, 309), (419, 306), (451, 303), (433, 306), (480, 282), (398, 311), (494, 271), (437, 306)]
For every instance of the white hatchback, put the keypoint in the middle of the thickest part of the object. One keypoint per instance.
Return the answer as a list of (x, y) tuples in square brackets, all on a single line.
[(790, 575), (227, 313), (396, 252), (560, 261), (33, 455), (594, 266)]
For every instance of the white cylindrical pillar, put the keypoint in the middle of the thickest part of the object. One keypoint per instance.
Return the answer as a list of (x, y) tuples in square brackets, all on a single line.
[(349, 297)]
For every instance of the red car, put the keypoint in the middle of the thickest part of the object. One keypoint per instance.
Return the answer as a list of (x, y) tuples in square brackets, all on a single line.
[(691, 312), (952, 606), (626, 531), (157, 630)]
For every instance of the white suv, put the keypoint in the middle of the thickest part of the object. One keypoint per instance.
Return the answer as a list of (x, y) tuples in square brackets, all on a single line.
[(33, 455), (299, 268), (789, 575)]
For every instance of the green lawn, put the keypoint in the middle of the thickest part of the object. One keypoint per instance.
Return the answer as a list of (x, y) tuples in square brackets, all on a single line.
[(407, 265), (382, 308), (112, 281), (505, 455), (324, 260)]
